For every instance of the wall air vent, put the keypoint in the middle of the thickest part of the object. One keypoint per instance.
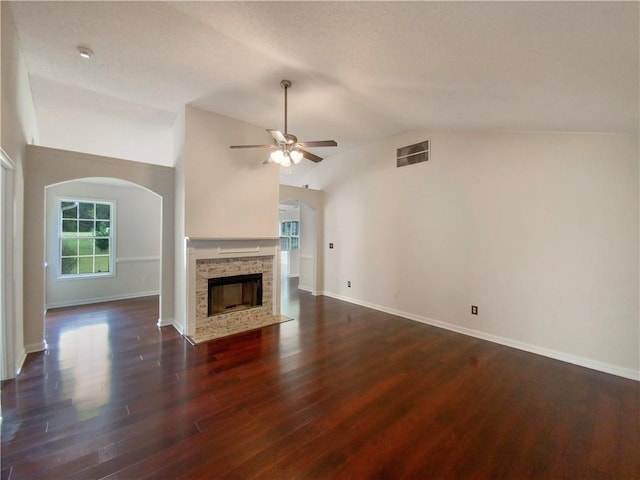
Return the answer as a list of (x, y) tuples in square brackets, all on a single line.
[(416, 153)]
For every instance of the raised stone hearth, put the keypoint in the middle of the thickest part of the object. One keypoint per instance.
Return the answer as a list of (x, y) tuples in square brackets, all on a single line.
[(217, 259)]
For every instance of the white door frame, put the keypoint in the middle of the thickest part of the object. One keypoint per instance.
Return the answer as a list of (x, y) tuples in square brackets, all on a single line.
[(7, 312)]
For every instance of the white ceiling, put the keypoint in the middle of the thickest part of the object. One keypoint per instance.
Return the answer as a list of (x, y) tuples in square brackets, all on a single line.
[(360, 70)]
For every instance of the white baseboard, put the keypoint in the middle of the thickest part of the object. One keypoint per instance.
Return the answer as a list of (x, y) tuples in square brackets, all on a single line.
[(171, 322), (179, 327), (110, 298), (527, 347), (20, 362), (164, 322), (305, 288), (35, 347)]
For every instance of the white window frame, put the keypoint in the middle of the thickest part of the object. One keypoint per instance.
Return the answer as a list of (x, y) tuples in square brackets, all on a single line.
[(289, 238), (112, 239)]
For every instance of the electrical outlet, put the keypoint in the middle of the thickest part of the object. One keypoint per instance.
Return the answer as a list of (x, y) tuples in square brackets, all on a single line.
[(349, 283), (331, 245), (474, 310)]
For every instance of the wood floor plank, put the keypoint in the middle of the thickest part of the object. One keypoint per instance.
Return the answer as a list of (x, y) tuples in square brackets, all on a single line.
[(342, 391)]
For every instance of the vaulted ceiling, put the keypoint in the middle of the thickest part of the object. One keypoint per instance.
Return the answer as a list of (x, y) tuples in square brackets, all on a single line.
[(361, 70)]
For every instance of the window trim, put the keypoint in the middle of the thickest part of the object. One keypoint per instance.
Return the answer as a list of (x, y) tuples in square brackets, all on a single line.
[(112, 239)]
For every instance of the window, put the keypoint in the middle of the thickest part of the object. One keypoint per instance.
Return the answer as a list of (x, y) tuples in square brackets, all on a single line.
[(86, 238), (289, 235)]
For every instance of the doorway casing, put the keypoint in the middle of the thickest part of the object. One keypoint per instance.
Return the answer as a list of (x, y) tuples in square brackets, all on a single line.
[(311, 234), (48, 166)]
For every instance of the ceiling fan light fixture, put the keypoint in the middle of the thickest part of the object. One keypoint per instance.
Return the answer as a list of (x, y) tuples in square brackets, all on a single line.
[(277, 156), (286, 160), (296, 156)]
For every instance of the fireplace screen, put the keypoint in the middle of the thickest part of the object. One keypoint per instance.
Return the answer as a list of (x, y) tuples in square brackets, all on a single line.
[(229, 294)]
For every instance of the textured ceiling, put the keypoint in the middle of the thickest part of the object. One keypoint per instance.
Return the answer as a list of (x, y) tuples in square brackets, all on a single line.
[(361, 70)]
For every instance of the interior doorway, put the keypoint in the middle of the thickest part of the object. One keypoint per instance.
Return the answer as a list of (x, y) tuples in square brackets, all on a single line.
[(298, 253), (47, 166), (289, 228), (290, 235), (102, 242)]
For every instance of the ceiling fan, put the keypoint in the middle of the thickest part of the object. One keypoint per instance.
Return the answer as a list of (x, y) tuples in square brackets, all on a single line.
[(286, 147)]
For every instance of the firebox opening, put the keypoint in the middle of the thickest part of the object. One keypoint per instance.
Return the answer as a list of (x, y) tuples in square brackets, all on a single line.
[(230, 294)]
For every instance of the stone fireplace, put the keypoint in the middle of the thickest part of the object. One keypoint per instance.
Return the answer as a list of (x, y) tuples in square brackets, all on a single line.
[(232, 286)]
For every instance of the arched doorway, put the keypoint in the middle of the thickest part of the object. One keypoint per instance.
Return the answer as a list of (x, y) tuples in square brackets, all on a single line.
[(310, 257), (47, 166), (298, 253), (125, 262)]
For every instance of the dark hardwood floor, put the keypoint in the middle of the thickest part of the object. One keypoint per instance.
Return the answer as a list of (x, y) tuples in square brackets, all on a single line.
[(340, 392)]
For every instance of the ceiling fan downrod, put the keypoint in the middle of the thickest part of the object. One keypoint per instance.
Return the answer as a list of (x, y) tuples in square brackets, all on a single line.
[(286, 84)]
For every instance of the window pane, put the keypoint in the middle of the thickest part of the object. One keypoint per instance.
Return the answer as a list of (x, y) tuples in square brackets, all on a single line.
[(86, 237), (294, 243), (86, 227), (103, 211), (102, 246), (85, 247), (69, 226), (85, 265), (102, 229), (69, 209), (102, 264), (87, 210), (294, 228), (284, 243), (69, 247), (69, 266), (286, 229)]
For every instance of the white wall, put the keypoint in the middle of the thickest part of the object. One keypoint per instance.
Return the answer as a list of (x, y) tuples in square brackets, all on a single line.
[(17, 128), (137, 227), (69, 118), (540, 231), (228, 193)]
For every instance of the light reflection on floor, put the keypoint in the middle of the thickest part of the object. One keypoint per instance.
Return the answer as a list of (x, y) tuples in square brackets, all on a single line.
[(85, 353), (290, 341), (289, 298)]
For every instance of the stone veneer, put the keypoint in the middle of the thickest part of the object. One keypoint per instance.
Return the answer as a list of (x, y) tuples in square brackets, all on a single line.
[(209, 328)]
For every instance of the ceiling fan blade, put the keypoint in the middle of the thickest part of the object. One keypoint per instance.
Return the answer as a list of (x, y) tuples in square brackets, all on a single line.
[(319, 143), (278, 136), (311, 156), (253, 146)]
